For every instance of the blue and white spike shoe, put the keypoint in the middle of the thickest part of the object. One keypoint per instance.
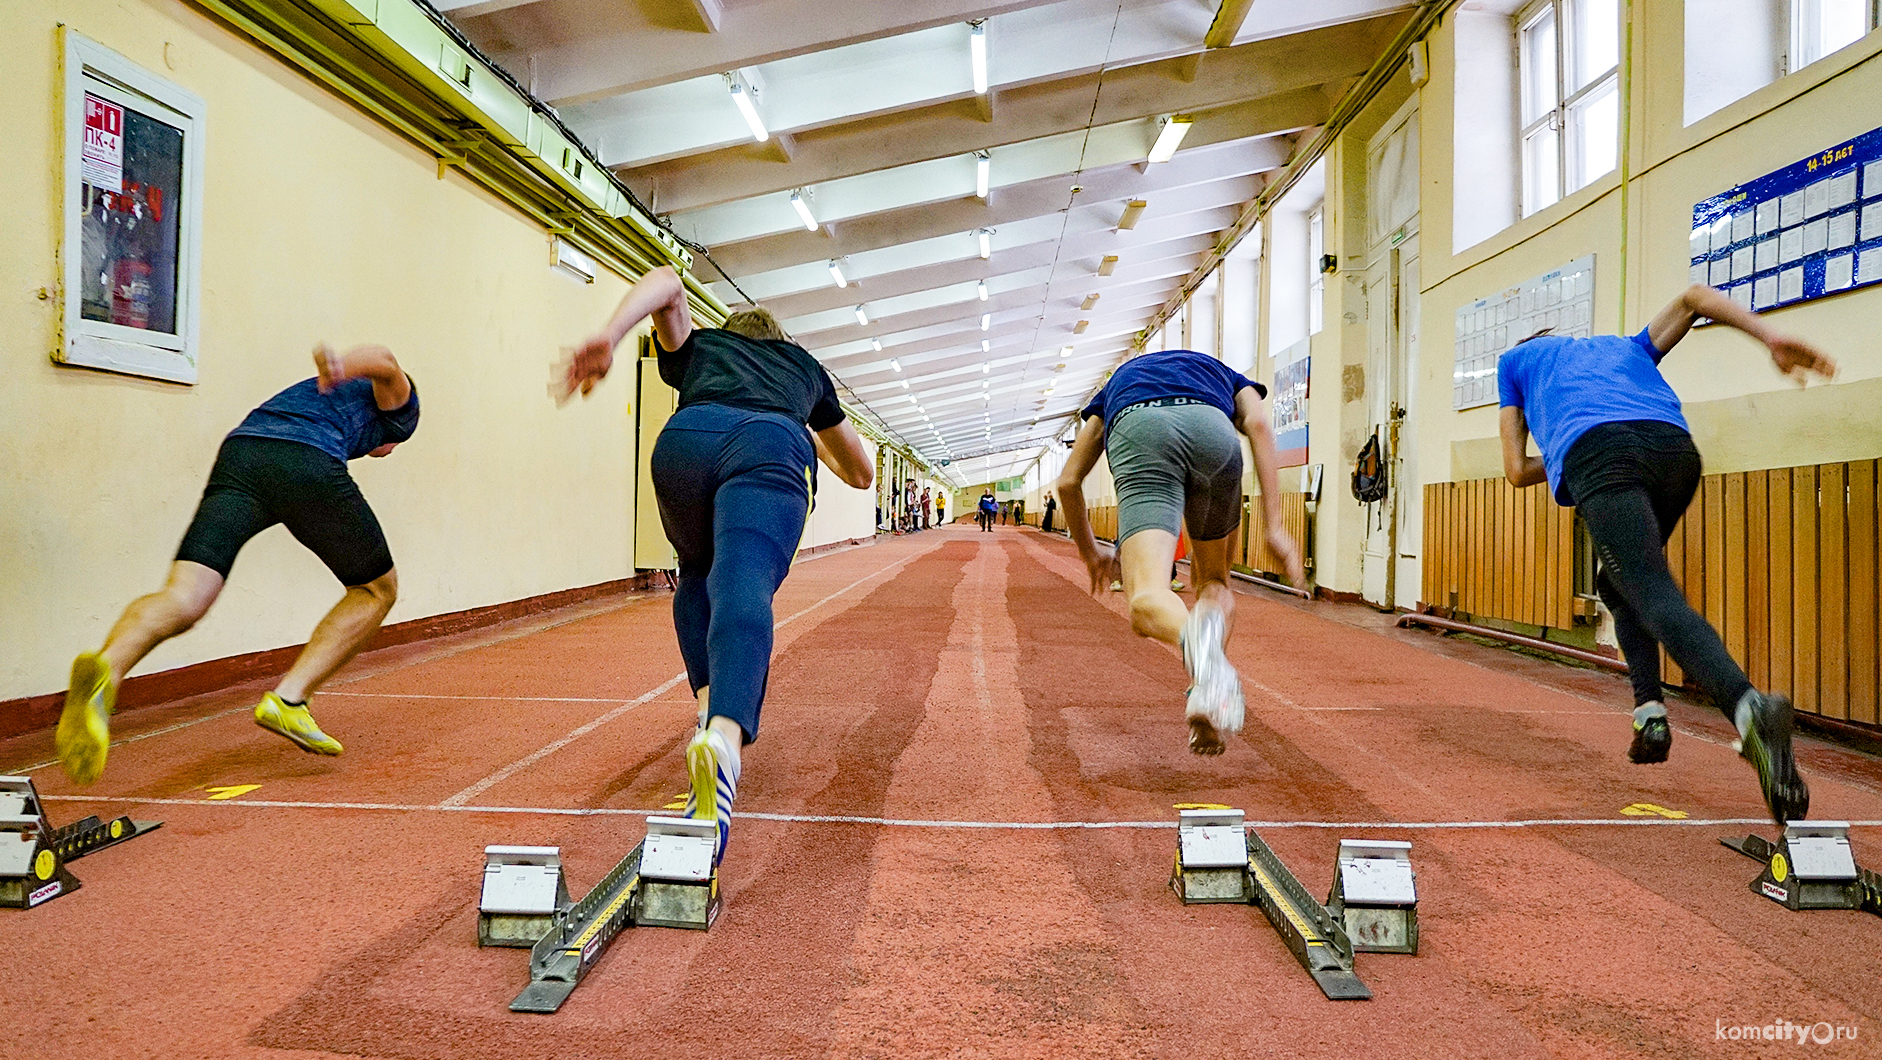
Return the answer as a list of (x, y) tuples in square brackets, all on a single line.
[(713, 767)]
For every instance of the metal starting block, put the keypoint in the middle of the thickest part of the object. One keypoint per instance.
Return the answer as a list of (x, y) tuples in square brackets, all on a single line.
[(33, 854), (1205, 872), (1375, 895), (667, 880), (1812, 867)]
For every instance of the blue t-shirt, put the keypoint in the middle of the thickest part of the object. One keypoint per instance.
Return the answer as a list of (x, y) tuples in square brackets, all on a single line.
[(1169, 374), (345, 423), (1567, 386)]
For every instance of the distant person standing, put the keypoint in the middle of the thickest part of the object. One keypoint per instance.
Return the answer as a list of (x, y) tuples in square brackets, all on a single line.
[(1052, 506), (988, 509), (941, 508), (1006, 509), (927, 508)]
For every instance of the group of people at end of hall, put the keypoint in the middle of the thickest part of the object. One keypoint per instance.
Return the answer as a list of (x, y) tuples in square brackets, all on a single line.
[(916, 512), (757, 414), (987, 509)]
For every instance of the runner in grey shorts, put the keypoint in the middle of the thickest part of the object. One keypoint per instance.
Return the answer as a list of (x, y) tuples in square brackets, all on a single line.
[(1171, 423), (1176, 465)]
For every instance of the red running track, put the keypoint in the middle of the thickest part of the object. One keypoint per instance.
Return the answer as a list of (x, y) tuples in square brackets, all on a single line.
[(952, 676)]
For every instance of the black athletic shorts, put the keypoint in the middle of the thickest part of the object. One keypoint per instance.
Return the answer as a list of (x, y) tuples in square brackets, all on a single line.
[(258, 482)]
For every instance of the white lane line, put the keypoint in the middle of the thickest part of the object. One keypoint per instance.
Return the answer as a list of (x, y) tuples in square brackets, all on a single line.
[(484, 699), (905, 822), (548, 749)]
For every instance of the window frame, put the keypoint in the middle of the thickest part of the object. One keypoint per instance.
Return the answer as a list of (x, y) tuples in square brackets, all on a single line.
[(1559, 119), (92, 68), (1316, 280), (1793, 29)]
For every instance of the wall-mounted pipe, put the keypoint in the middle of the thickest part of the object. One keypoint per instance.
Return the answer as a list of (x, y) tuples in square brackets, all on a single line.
[(1600, 661)]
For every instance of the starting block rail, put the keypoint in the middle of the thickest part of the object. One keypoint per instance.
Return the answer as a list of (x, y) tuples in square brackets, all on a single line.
[(34, 854), (667, 880), (1219, 860)]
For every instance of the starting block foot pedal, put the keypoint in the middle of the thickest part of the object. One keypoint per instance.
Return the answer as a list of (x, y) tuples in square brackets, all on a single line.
[(1811, 866), (1375, 895), (33, 854), (679, 884), (1211, 857), (523, 891)]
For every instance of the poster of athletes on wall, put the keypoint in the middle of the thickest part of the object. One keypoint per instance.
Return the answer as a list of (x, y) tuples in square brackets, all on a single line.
[(1289, 399), (1562, 300), (1811, 229)]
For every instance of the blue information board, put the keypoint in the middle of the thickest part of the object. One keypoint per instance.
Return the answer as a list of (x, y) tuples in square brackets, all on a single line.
[(1808, 230)]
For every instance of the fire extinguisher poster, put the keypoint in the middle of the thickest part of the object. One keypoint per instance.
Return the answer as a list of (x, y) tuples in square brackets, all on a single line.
[(131, 170)]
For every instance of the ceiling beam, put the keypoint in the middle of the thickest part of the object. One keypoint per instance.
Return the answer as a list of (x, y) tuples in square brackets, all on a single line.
[(1276, 80)]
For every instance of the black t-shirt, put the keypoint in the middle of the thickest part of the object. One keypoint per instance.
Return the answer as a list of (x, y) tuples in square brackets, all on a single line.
[(720, 367)]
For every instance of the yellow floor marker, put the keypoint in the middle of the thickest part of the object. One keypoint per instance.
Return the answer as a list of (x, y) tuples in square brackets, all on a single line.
[(230, 792), (1647, 809)]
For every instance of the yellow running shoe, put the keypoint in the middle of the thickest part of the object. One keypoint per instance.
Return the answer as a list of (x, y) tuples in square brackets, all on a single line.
[(278, 716), (84, 734)]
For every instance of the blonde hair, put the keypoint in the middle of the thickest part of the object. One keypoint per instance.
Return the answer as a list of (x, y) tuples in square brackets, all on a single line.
[(755, 323)]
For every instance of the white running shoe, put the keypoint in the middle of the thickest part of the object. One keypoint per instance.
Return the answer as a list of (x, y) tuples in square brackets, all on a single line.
[(1216, 706)]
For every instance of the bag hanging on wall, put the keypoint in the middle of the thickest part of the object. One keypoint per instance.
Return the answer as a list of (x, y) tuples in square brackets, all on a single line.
[(1369, 482)]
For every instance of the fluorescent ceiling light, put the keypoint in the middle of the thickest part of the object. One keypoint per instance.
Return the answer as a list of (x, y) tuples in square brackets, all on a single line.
[(743, 96), (877, 345), (802, 206), (1065, 351), (1079, 328), (982, 288), (1133, 210), (1169, 138), (836, 273), (861, 317), (983, 172), (986, 242), (1107, 266), (985, 368), (986, 321), (1090, 300), (977, 48), (905, 387), (985, 346), (893, 363)]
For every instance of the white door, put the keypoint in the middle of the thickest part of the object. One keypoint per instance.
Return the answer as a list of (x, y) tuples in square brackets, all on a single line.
[(1389, 561)]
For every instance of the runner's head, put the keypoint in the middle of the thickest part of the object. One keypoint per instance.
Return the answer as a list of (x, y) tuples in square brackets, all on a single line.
[(755, 323)]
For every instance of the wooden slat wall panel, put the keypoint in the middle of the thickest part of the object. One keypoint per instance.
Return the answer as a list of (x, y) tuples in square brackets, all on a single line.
[(1786, 564), (1863, 598)]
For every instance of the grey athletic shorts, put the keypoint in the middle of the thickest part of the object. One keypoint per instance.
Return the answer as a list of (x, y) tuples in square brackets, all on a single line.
[(1176, 465)]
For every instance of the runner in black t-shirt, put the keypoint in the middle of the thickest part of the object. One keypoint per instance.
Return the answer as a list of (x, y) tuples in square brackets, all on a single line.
[(734, 472), (285, 463)]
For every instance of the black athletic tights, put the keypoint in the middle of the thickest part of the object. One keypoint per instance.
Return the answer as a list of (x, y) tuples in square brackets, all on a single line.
[(1631, 482)]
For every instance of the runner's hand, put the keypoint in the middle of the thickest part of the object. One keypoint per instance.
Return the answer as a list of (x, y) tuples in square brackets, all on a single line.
[(1797, 359), (588, 365), (1101, 564), (1281, 544), (329, 368)]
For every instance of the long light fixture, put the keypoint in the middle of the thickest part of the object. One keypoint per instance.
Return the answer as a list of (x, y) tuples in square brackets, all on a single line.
[(1108, 265), (895, 365), (836, 273), (985, 368), (1175, 127), (802, 206), (861, 317), (1079, 328), (1065, 351), (876, 344), (905, 387), (986, 243), (981, 287), (986, 321), (977, 50), (743, 98), (1090, 300), (1133, 211), (985, 346), (983, 172)]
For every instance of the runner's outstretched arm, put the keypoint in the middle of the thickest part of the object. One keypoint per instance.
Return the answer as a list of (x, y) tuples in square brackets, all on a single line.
[(1251, 418), (1100, 561), (1793, 357), (841, 449), (661, 295), (390, 387)]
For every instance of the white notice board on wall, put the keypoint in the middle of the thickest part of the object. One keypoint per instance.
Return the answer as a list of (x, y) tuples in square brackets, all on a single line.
[(1562, 299)]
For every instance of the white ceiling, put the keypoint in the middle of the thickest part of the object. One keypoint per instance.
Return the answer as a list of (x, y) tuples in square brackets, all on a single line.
[(873, 120)]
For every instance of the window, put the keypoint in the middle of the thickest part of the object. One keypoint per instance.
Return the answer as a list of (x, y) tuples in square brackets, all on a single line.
[(1819, 27), (133, 210), (1316, 280), (1569, 55)]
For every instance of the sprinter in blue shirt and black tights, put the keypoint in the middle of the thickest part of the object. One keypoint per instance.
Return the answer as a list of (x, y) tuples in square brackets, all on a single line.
[(1615, 446)]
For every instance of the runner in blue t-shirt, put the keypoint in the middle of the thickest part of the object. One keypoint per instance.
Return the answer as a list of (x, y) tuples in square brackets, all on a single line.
[(285, 463), (1614, 445), (1166, 421)]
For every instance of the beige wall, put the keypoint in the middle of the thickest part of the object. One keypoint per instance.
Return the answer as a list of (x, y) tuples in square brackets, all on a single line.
[(318, 224)]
